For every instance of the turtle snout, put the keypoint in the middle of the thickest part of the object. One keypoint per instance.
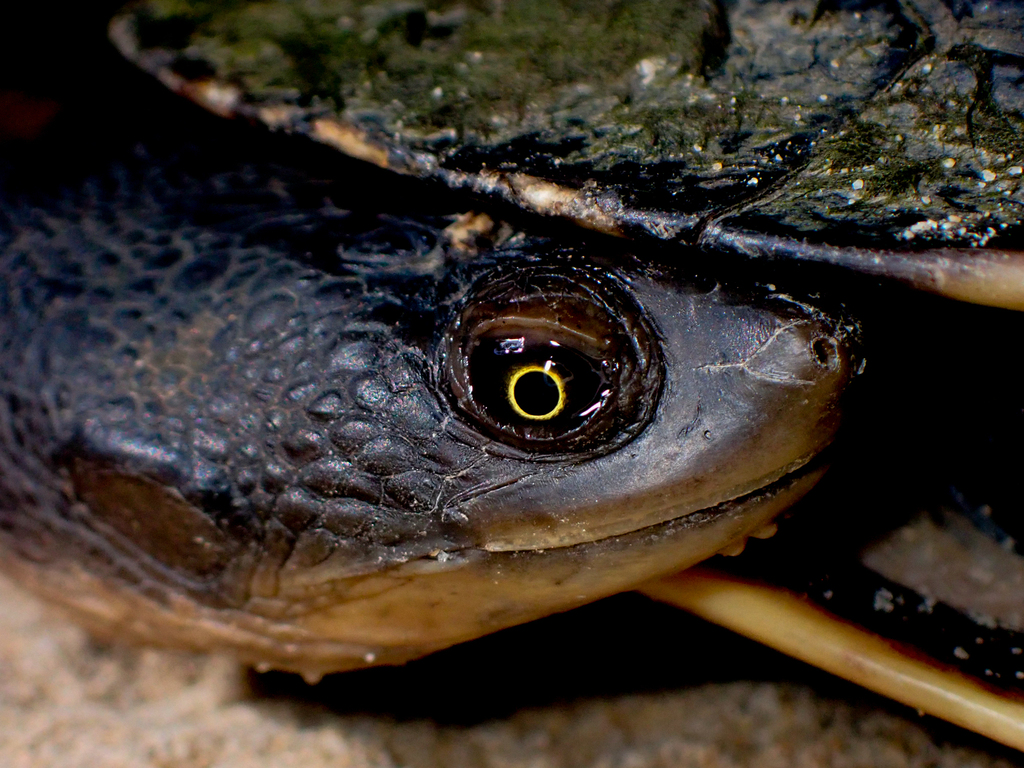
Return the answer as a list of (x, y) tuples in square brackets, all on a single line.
[(825, 355), (799, 352), (784, 389), (825, 351)]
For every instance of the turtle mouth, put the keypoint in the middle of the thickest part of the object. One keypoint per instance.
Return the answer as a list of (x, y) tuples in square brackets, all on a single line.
[(744, 513), (803, 473), (803, 477)]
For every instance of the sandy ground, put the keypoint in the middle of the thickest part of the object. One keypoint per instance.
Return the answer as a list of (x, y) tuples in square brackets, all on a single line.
[(67, 701)]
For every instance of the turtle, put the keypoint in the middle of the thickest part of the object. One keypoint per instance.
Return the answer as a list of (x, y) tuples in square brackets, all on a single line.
[(245, 409)]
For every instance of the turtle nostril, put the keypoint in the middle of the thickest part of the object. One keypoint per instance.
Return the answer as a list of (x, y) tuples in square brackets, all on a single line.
[(825, 351)]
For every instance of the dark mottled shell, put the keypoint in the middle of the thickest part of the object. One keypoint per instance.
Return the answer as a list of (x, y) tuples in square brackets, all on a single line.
[(883, 137)]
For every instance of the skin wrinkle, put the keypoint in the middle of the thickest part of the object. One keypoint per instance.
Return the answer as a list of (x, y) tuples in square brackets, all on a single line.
[(745, 363), (476, 491)]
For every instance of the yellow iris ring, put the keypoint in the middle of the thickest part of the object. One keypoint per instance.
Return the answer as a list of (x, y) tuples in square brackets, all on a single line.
[(559, 384)]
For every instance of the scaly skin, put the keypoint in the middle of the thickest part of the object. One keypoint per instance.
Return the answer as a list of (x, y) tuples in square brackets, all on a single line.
[(226, 421)]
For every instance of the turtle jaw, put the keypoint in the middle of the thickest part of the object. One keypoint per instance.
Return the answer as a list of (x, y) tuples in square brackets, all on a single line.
[(411, 609), (421, 606)]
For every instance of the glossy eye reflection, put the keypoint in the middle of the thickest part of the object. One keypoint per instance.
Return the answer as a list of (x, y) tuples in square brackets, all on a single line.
[(551, 361)]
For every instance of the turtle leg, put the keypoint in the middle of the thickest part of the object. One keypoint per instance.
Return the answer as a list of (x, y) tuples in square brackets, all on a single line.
[(793, 625), (927, 614)]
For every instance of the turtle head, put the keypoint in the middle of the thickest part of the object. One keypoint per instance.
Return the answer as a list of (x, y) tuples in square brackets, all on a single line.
[(222, 436)]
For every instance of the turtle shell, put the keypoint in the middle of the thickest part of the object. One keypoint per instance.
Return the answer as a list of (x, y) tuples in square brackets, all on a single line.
[(881, 137)]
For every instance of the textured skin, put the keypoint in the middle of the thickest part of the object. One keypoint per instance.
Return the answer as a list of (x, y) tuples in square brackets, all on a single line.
[(225, 403), (196, 355)]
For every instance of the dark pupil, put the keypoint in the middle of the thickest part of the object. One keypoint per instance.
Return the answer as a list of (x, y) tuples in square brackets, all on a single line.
[(536, 393), (534, 402)]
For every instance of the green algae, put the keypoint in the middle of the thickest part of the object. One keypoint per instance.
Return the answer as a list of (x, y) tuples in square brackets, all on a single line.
[(813, 123), (644, 82), (471, 67), (934, 158)]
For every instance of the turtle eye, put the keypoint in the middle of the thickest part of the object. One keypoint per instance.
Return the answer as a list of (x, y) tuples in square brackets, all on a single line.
[(546, 361)]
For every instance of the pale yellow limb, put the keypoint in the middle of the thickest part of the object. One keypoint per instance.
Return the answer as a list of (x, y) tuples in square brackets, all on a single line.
[(788, 623)]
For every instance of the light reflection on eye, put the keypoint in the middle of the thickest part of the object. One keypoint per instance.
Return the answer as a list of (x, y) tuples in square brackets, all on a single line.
[(511, 346), (536, 392), (594, 408)]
